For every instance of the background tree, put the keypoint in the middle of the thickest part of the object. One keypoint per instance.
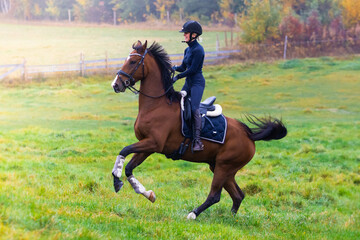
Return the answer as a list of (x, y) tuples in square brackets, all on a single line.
[(351, 13), (229, 9), (23, 9), (93, 10), (261, 23), (80, 9), (64, 6), (131, 11), (5, 6), (313, 29), (324, 8), (52, 9), (338, 28), (300, 7), (292, 27), (99, 11), (164, 6), (199, 9)]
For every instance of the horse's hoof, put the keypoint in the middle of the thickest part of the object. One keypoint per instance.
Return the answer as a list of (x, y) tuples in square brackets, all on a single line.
[(152, 196), (117, 184), (233, 212), (191, 216)]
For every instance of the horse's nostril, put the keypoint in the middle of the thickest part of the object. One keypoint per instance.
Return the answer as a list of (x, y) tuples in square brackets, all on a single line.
[(116, 87)]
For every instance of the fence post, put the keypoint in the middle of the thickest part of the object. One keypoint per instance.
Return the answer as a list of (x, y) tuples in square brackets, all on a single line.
[(69, 15), (114, 16), (82, 65), (25, 73), (226, 43), (285, 47), (106, 62)]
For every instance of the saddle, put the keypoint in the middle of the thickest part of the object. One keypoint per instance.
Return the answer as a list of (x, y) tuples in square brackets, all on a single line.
[(207, 108), (214, 124), (210, 109)]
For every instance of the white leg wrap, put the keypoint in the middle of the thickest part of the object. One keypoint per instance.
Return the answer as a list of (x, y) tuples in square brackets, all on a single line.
[(191, 216), (139, 188), (118, 166)]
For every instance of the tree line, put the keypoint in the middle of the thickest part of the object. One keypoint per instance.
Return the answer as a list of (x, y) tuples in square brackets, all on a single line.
[(260, 20)]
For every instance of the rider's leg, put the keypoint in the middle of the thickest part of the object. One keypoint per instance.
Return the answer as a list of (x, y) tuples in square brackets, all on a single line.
[(197, 144), (196, 95)]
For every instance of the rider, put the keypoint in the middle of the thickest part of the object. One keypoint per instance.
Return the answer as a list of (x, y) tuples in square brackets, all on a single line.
[(191, 68)]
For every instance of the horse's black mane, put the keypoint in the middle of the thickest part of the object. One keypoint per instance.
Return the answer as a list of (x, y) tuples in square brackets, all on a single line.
[(164, 62)]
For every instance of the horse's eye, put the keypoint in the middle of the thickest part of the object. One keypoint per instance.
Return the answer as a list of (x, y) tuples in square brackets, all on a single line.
[(132, 62)]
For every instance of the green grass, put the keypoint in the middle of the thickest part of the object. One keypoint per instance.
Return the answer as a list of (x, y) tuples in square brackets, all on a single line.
[(48, 44), (59, 140)]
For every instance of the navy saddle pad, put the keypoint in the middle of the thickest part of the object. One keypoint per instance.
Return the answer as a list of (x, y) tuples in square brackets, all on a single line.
[(213, 128)]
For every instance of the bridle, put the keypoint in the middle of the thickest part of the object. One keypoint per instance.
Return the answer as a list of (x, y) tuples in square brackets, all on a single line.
[(130, 82)]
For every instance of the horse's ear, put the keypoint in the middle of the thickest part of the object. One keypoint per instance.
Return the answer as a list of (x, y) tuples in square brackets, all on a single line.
[(137, 45), (145, 45)]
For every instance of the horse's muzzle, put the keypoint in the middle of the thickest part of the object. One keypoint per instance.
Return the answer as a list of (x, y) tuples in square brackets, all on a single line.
[(117, 88)]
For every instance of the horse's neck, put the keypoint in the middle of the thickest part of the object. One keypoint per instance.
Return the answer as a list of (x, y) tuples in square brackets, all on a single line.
[(152, 86)]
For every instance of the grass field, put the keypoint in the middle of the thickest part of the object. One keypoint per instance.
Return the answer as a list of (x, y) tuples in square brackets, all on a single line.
[(49, 44), (59, 140)]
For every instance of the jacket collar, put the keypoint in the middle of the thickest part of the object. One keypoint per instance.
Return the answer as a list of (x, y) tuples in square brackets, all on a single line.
[(193, 43)]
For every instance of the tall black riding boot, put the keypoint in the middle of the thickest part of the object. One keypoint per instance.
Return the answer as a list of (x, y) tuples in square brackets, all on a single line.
[(197, 144)]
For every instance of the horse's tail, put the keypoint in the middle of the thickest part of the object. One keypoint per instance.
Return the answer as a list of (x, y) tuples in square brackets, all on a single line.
[(266, 128)]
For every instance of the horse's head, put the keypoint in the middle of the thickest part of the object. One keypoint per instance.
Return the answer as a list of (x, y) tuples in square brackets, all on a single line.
[(132, 70)]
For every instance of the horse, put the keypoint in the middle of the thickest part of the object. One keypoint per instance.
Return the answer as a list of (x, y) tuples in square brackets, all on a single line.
[(158, 124)]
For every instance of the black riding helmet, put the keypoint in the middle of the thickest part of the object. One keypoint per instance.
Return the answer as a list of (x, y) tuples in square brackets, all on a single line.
[(192, 27)]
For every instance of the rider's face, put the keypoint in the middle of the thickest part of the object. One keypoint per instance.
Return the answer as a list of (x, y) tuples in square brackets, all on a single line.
[(187, 36)]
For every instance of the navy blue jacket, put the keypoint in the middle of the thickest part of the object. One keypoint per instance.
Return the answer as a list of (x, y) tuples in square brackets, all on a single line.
[(192, 64)]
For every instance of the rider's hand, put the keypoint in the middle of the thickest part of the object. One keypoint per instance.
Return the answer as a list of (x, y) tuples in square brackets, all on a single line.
[(183, 93)]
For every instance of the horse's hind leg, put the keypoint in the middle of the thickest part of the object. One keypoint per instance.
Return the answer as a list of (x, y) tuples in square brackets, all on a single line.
[(235, 193), (220, 177)]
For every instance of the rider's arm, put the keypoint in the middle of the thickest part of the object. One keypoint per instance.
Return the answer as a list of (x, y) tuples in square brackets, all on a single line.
[(182, 67), (197, 60)]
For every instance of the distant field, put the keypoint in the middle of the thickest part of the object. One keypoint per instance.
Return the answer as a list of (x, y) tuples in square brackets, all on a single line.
[(44, 44), (59, 140)]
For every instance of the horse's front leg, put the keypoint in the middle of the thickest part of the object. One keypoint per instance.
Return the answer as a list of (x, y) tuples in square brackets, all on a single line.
[(142, 150), (137, 159)]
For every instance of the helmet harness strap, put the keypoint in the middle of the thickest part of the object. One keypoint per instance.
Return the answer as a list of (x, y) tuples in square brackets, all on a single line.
[(191, 37)]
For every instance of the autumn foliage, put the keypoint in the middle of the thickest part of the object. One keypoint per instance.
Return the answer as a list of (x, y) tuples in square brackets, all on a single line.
[(260, 21), (319, 23)]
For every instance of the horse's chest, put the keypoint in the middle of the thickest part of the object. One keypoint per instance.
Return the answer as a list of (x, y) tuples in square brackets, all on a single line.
[(142, 127)]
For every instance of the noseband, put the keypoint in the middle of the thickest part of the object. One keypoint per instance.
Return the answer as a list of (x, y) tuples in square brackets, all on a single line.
[(128, 83)]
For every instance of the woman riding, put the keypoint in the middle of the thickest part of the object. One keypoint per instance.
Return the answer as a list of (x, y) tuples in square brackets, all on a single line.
[(191, 68)]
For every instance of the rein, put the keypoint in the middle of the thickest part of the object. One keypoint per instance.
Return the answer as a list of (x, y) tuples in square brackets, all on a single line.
[(130, 82)]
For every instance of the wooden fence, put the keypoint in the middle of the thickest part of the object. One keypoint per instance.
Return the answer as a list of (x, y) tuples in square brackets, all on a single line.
[(89, 67)]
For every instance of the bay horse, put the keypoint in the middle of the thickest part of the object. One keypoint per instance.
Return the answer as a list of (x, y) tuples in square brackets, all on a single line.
[(158, 124)]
